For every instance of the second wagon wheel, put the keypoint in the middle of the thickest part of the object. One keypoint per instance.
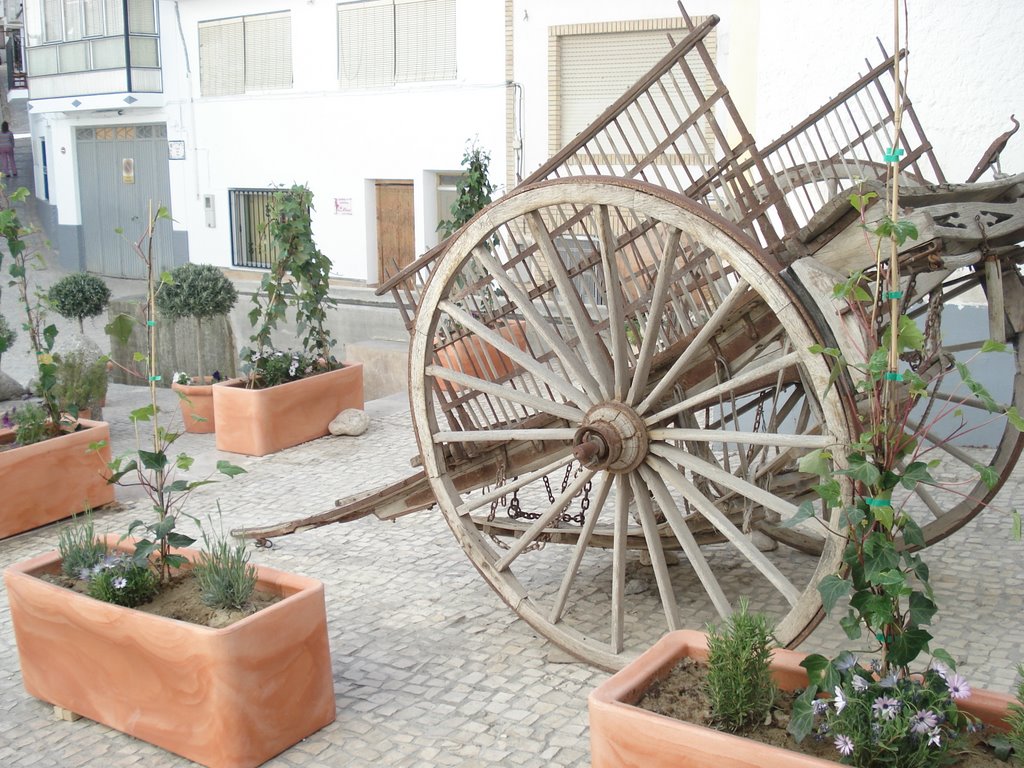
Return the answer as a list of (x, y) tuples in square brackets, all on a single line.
[(642, 378)]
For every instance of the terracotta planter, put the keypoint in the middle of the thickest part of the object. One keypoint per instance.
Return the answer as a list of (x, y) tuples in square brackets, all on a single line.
[(261, 421), (473, 356), (622, 734), (199, 403), (53, 479), (225, 698)]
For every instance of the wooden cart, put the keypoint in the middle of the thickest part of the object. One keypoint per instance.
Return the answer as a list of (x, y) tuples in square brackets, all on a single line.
[(616, 356)]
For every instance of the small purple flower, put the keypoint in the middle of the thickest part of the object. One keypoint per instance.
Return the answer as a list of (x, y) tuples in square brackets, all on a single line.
[(844, 744), (935, 737), (7, 421), (958, 687), (923, 721), (84, 574), (820, 706), (216, 376), (940, 669), (840, 700), (876, 665), (886, 708), (120, 582), (888, 682), (860, 684)]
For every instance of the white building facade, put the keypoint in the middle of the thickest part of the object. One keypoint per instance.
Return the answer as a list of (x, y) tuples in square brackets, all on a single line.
[(207, 105)]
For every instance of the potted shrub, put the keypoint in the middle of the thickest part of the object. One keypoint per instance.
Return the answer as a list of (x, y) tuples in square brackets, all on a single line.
[(288, 396), (226, 696), (202, 292), (897, 702), (81, 384), (44, 443)]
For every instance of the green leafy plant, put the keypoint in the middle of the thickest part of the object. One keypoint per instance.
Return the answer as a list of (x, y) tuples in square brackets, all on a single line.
[(739, 682), (880, 712), (7, 336), (81, 383), (474, 189), (154, 469), (31, 424), (79, 296), (40, 334), (298, 280), (122, 580), (80, 550), (201, 291), (226, 578)]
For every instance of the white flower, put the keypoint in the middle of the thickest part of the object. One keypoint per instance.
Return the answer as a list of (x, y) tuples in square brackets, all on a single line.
[(840, 700), (859, 684)]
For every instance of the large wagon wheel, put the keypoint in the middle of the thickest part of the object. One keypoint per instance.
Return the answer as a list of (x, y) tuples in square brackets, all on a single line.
[(623, 326)]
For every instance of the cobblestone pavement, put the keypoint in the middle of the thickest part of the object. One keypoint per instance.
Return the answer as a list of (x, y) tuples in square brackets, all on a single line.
[(430, 668)]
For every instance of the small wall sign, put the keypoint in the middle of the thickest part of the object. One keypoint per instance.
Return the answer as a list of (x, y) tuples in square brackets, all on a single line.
[(176, 149), (343, 206), (128, 170)]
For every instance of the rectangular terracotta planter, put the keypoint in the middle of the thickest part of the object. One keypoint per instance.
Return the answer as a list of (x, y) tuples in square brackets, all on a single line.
[(622, 734), (226, 698), (198, 401), (261, 421), (53, 479)]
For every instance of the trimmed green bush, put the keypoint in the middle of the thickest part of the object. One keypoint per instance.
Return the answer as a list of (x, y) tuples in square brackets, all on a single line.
[(79, 296)]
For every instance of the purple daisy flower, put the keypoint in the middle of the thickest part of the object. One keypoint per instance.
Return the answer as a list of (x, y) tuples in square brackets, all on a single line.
[(844, 744), (923, 721), (860, 684), (120, 582), (886, 708), (935, 737), (820, 706), (958, 687)]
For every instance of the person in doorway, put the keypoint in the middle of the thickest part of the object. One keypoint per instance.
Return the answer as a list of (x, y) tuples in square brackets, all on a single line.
[(7, 164)]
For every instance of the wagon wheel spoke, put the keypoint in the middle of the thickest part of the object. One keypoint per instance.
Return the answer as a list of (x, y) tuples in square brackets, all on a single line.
[(622, 498), (505, 392), (616, 314), (580, 549), (657, 553)]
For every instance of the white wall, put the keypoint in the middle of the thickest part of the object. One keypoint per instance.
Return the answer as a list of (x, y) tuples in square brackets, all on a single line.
[(334, 141), (782, 59)]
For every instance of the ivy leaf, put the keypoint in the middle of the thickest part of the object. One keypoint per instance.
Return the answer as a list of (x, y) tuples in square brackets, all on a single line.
[(816, 665), (912, 534), (156, 460), (120, 328), (816, 463), (179, 540), (916, 472), (860, 202), (832, 588), (945, 658), (801, 720), (1015, 418), (922, 609), (988, 475), (851, 625), (907, 646), (229, 469), (804, 512), (994, 346), (142, 414)]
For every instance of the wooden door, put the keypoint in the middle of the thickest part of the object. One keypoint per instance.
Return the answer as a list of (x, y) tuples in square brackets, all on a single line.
[(396, 232)]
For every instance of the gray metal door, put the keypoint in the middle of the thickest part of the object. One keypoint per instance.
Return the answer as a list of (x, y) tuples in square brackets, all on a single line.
[(120, 170)]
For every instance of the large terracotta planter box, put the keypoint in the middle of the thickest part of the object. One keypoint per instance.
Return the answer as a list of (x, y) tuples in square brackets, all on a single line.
[(261, 421), (54, 479), (225, 698), (622, 734)]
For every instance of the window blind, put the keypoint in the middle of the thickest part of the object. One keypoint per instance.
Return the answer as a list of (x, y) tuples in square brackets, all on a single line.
[(268, 52), (221, 57), (141, 17), (366, 44), (424, 40)]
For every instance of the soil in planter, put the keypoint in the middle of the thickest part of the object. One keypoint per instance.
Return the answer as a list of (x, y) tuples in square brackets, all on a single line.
[(181, 599), (682, 696)]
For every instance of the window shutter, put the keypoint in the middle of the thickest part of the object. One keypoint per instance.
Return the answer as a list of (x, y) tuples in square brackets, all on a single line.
[(268, 52), (115, 17), (141, 17), (52, 30), (424, 40), (596, 69), (93, 18), (221, 57), (72, 20), (366, 45)]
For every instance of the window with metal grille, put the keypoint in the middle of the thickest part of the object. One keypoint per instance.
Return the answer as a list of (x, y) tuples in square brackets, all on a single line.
[(251, 244), (383, 42), (245, 54)]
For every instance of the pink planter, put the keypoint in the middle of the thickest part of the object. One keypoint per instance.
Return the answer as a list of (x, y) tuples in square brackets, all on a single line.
[(53, 479), (261, 421), (226, 698), (622, 734), (199, 403)]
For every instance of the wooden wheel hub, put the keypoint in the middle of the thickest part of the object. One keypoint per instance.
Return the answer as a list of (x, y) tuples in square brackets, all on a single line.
[(611, 437)]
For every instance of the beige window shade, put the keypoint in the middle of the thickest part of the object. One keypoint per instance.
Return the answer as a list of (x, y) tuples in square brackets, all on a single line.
[(383, 42), (72, 19), (268, 52), (366, 45), (94, 18), (221, 57), (596, 68), (74, 57), (141, 17), (108, 53), (53, 30), (145, 51), (115, 17), (424, 40)]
